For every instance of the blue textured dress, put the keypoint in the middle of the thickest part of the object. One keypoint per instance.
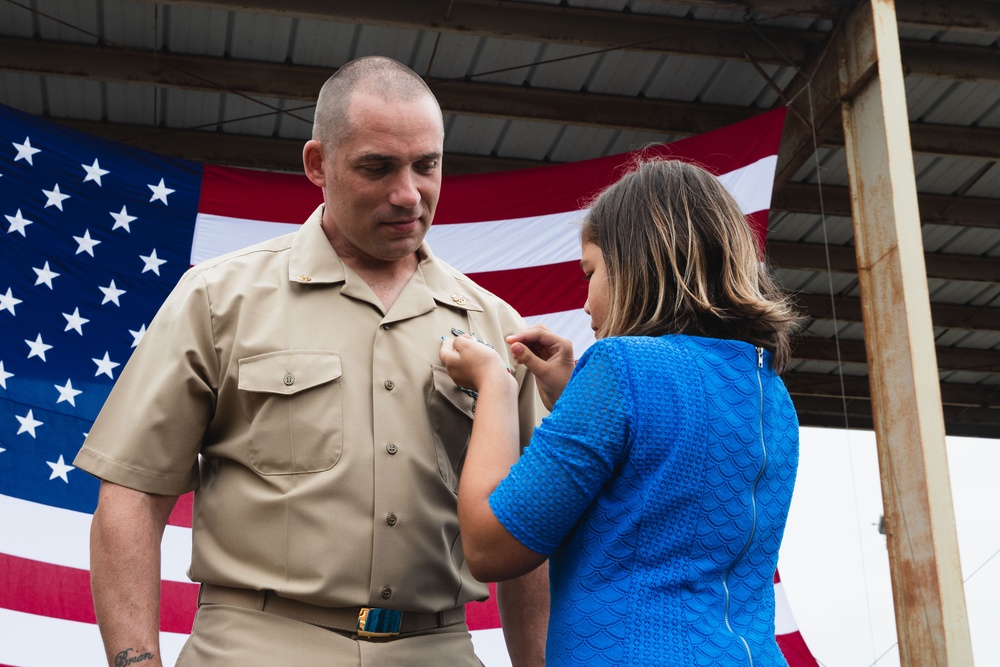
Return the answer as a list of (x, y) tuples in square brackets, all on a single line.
[(661, 502)]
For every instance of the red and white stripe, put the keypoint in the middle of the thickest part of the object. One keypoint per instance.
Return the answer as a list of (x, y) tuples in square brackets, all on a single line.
[(786, 630)]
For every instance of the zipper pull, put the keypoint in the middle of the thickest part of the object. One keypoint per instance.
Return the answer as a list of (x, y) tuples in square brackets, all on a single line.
[(760, 357)]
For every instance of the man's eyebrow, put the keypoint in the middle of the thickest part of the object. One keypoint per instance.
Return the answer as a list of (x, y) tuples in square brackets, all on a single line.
[(376, 157), (381, 157)]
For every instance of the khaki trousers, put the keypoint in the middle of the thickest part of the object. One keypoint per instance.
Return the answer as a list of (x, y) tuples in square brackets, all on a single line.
[(229, 636)]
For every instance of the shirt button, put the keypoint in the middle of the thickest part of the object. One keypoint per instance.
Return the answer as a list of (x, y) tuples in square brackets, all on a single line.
[(391, 448), (289, 380), (390, 519), (389, 385), (386, 593)]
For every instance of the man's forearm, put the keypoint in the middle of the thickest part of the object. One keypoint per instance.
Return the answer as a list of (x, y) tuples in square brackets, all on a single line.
[(524, 615), (125, 573)]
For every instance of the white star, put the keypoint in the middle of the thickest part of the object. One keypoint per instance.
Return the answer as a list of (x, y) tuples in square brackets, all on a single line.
[(38, 348), (67, 393), (8, 301), (122, 219), (111, 293), (152, 262), (94, 172), (60, 469), (136, 337), (45, 275), (17, 223), (86, 244), (75, 322), (160, 192), (25, 151), (4, 375), (54, 197), (28, 424), (104, 366)]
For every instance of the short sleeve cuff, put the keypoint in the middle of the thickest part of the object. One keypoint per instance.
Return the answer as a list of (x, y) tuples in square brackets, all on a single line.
[(135, 478)]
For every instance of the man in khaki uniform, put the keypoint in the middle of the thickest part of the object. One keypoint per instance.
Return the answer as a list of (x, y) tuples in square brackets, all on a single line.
[(296, 387)]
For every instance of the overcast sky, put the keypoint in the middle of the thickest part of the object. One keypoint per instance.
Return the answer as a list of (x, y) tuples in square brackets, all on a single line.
[(834, 564)]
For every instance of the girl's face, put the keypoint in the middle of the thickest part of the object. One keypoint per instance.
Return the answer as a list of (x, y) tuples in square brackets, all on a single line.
[(597, 291)]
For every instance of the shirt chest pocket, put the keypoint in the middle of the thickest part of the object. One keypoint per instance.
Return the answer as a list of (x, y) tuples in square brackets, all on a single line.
[(294, 401), (451, 412)]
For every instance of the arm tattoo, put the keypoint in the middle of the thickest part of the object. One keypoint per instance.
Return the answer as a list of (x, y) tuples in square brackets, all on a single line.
[(123, 659)]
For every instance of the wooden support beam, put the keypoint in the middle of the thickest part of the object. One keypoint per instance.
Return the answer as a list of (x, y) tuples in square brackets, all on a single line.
[(300, 83), (604, 29), (931, 619), (829, 412), (554, 24), (946, 315), (934, 208), (242, 150), (852, 351), (829, 400), (982, 16), (937, 139), (812, 99), (813, 257), (856, 386)]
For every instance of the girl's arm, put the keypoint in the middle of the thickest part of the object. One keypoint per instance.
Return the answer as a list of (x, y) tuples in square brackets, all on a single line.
[(493, 554)]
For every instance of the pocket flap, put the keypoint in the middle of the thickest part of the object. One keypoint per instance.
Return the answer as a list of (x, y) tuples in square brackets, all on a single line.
[(288, 372), (444, 385)]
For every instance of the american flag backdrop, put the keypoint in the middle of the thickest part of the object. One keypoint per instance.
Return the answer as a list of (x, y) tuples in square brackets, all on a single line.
[(97, 234)]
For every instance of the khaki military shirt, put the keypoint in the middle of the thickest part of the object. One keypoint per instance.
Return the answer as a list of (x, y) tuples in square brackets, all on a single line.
[(321, 433)]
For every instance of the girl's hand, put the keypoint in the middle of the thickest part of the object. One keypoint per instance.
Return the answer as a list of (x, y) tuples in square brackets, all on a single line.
[(471, 364), (548, 356)]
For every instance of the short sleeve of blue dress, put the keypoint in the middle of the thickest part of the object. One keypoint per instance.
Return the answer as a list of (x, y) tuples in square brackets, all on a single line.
[(572, 454)]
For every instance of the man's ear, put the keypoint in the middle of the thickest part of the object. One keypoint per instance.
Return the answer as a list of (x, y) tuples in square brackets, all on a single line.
[(312, 161)]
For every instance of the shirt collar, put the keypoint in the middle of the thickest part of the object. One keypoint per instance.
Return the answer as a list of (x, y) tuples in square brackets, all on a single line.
[(312, 258), (445, 284)]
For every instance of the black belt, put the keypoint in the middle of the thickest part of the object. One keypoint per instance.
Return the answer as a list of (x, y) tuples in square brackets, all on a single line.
[(362, 621)]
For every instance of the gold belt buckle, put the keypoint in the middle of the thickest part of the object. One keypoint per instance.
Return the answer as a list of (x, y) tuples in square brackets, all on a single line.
[(376, 622)]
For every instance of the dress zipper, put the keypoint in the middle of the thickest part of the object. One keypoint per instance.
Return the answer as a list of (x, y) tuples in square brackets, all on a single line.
[(753, 504)]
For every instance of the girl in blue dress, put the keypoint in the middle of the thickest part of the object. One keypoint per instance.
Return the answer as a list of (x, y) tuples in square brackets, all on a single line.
[(658, 487)]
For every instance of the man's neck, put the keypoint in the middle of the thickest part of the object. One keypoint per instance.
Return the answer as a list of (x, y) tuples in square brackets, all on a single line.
[(386, 279)]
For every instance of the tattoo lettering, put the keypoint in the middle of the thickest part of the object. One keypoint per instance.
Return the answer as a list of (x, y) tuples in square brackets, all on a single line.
[(123, 659)]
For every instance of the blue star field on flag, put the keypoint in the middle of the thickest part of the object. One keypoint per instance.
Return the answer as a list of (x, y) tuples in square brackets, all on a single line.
[(93, 237)]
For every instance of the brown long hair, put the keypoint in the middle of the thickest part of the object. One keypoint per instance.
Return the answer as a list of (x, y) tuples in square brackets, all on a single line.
[(681, 258)]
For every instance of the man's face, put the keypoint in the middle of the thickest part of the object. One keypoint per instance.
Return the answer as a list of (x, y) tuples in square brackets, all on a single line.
[(383, 181)]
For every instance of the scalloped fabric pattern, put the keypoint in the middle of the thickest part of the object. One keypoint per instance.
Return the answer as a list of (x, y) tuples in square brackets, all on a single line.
[(639, 485)]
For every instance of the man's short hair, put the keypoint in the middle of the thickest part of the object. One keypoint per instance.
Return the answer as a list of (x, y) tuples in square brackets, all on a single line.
[(382, 76)]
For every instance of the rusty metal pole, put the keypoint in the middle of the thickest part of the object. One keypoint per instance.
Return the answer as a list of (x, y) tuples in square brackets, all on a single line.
[(931, 618)]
